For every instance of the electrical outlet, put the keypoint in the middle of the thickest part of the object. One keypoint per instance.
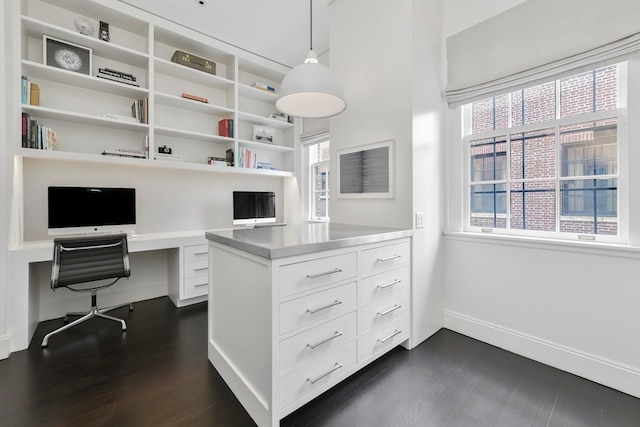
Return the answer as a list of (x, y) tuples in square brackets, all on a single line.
[(419, 219)]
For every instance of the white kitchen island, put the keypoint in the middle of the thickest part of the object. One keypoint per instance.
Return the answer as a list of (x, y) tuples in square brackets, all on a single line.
[(294, 310)]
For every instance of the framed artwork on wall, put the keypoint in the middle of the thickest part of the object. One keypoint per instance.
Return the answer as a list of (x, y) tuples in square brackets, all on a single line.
[(367, 171), (68, 56)]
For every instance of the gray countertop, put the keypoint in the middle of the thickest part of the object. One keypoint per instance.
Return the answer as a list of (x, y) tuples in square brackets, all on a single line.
[(290, 240)]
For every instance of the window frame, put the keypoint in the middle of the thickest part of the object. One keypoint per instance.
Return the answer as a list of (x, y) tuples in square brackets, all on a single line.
[(308, 191), (620, 114)]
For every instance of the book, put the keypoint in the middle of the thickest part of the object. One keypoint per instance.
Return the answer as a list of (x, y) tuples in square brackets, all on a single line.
[(195, 97), (33, 134), (26, 129), (118, 79), (120, 117), (25, 90), (140, 110), (229, 157), (264, 86), (225, 128), (116, 73), (123, 152), (172, 157), (34, 94)]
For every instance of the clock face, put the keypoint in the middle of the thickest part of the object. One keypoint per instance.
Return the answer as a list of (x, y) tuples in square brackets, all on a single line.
[(68, 59)]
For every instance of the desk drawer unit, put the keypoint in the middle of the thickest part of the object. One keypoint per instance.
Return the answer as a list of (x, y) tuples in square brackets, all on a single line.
[(317, 341), (308, 275), (384, 258), (317, 307), (196, 271)]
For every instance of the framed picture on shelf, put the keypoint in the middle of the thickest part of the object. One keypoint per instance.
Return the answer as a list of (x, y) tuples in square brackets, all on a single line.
[(263, 134), (68, 56)]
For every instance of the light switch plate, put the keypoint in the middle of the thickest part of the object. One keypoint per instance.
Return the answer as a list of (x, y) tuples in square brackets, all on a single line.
[(419, 219)]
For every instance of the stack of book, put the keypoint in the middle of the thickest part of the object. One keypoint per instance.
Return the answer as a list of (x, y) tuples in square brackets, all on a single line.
[(265, 165), (281, 117), (38, 136), (140, 110), (194, 97), (125, 152), (30, 92), (225, 128), (217, 161), (248, 158), (265, 87), (117, 76), (171, 157)]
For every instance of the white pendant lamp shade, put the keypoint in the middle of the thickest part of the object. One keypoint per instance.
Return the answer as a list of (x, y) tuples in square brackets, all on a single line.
[(310, 91)]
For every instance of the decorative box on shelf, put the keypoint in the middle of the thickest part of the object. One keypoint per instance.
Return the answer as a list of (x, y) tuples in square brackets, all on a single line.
[(193, 61)]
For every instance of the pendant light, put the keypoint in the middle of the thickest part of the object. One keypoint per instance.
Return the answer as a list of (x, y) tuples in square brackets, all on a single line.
[(309, 90)]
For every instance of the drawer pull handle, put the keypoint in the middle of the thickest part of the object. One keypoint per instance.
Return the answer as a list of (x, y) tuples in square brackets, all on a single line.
[(201, 268), (389, 258), (326, 273), (200, 253), (324, 307), (334, 336), (391, 310), (386, 285), (337, 366), (199, 285), (396, 332)]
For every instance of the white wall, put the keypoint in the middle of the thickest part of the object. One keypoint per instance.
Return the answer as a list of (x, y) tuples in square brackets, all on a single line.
[(5, 174), (461, 14), (166, 199), (388, 58), (574, 306)]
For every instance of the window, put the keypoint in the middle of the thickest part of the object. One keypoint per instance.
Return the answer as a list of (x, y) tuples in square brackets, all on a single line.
[(543, 160), (318, 191)]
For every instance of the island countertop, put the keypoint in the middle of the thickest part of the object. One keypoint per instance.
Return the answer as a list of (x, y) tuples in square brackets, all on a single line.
[(290, 240)]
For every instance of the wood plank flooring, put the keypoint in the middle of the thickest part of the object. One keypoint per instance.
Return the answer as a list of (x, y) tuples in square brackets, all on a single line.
[(157, 374)]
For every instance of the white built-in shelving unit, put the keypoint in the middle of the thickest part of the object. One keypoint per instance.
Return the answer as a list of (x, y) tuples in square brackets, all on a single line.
[(75, 104)]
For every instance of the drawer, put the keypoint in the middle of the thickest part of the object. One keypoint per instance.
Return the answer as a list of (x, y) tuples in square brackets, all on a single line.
[(383, 310), (196, 286), (382, 339), (195, 253), (307, 275), (317, 307), (385, 258), (310, 377), (381, 285), (317, 342), (196, 269)]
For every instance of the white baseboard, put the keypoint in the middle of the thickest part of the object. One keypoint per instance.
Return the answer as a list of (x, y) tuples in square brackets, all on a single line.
[(594, 368), (5, 346)]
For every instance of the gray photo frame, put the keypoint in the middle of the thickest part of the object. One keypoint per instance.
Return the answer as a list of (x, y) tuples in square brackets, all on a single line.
[(367, 171), (67, 56)]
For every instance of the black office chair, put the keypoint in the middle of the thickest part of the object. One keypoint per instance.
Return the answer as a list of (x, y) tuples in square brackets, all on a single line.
[(98, 260)]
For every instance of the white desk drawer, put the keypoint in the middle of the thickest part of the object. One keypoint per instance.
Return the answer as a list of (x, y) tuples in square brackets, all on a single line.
[(385, 258), (381, 285), (382, 339), (383, 310), (312, 376), (317, 307), (195, 253), (307, 275), (196, 286), (316, 342), (196, 269)]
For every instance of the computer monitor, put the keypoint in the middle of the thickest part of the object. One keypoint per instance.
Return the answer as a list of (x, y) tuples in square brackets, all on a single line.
[(254, 207), (81, 210)]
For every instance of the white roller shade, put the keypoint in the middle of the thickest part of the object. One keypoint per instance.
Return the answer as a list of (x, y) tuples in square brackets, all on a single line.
[(537, 41)]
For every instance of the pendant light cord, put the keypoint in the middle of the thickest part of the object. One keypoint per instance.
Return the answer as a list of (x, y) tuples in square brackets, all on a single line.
[(310, 24)]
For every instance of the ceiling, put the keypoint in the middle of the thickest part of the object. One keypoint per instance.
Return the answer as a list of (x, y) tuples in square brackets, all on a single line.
[(274, 29)]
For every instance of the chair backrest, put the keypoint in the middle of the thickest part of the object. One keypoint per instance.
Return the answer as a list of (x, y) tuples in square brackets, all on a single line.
[(89, 258)]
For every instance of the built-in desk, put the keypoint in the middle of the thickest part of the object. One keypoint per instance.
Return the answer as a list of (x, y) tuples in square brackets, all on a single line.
[(294, 310), (186, 277)]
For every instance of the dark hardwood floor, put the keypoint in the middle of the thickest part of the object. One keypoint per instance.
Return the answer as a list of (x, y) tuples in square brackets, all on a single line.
[(157, 374)]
